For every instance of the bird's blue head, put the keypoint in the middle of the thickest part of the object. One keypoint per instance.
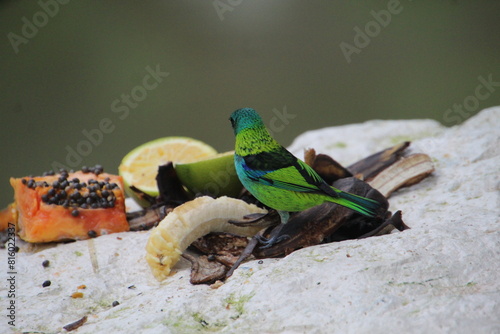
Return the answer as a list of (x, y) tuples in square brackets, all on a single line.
[(245, 118)]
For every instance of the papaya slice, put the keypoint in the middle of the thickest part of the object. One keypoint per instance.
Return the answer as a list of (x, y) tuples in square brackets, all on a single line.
[(69, 206)]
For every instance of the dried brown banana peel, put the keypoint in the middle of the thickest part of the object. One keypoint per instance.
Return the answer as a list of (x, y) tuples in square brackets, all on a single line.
[(403, 173)]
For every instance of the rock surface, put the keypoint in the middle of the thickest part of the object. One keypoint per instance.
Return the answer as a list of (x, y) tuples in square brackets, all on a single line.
[(440, 276)]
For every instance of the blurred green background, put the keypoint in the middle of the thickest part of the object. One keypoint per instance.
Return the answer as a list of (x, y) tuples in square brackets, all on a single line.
[(66, 67)]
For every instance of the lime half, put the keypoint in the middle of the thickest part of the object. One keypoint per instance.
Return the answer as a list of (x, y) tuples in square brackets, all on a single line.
[(140, 166)]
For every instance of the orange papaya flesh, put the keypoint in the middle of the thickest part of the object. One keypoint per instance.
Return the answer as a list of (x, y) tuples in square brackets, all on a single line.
[(69, 207)]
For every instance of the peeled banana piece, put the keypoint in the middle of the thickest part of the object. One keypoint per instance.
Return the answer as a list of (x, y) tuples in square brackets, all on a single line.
[(190, 221)]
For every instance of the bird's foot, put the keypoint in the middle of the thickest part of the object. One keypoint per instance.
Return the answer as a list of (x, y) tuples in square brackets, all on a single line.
[(269, 242), (273, 239)]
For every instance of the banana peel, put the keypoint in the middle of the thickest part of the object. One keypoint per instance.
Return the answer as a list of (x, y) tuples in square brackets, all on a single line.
[(190, 221)]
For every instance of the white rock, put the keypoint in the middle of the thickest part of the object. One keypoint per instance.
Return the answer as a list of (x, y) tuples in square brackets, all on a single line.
[(441, 276)]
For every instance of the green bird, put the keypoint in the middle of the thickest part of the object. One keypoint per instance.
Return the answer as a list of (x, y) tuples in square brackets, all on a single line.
[(278, 179)]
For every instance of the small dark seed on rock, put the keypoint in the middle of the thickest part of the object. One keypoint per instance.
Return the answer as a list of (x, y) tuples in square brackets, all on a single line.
[(115, 303), (45, 198), (46, 283), (85, 169), (24, 181), (75, 213), (92, 234), (46, 263)]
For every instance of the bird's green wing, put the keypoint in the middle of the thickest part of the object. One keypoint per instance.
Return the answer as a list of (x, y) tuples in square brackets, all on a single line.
[(288, 178), (269, 161), (283, 170)]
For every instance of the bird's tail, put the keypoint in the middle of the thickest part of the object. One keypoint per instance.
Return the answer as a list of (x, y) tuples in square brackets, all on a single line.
[(363, 205)]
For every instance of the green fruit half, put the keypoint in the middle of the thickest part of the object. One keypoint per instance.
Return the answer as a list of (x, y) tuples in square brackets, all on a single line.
[(215, 176)]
